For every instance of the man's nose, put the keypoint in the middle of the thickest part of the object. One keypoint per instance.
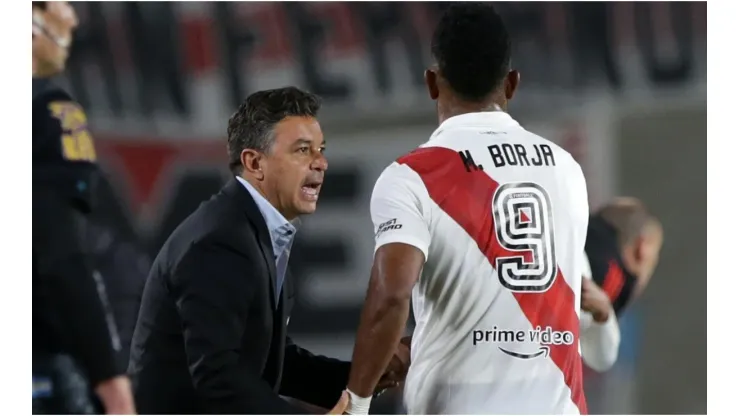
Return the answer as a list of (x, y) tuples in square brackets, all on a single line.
[(320, 163)]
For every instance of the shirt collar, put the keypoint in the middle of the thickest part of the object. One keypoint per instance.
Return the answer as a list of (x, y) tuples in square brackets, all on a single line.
[(277, 225), (491, 119)]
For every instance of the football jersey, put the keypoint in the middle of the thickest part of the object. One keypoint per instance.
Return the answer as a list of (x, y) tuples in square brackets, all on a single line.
[(500, 215)]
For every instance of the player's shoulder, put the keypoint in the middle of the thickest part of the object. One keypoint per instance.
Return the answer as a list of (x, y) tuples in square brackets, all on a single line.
[(432, 156), (399, 178), (404, 177), (560, 153)]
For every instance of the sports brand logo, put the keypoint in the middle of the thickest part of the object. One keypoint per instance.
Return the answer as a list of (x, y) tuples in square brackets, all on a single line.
[(386, 226)]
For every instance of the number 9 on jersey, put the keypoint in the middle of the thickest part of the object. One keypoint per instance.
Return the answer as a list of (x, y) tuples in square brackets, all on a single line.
[(523, 221)]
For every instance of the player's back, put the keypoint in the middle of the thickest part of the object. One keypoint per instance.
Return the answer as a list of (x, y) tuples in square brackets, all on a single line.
[(496, 305)]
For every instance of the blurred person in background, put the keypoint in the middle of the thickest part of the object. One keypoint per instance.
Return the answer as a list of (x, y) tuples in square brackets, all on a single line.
[(211, 336), (483, 228), (622, 250), (124, 266), (75, 341)]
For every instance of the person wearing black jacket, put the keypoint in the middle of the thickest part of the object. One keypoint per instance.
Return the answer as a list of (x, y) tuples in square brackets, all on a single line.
[(622, 251), (75, 342), (212, 331), (123, 266)]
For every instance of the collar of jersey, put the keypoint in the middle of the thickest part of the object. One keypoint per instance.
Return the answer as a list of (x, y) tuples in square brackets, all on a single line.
[(489, 119)]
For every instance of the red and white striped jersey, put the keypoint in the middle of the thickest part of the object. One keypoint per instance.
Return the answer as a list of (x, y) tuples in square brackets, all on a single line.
[(501, 216)]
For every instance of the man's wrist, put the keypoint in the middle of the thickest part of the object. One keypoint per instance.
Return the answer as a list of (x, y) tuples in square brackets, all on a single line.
[(358, 405)]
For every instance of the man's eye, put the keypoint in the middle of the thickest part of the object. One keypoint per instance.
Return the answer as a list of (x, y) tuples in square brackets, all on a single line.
[(322, 149), (304, 149)]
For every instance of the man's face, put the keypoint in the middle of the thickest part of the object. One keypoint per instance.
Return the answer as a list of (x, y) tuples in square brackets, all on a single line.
[(52, 36), (294, 167), (651, 255)]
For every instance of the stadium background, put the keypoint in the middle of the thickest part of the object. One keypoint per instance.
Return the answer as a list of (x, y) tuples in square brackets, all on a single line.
[(620, 85)]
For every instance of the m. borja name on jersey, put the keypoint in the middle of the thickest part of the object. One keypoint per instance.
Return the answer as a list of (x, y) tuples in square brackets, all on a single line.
[(506, 154)]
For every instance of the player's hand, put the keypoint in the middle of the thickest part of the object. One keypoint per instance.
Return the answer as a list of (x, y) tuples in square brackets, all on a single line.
[(595, 301), (397, 368), (341, 405), (116, 396)]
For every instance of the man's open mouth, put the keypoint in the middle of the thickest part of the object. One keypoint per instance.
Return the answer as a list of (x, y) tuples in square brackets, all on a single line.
[(311, 188)]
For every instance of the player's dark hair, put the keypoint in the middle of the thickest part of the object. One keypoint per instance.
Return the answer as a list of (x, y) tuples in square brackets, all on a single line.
[(630, 220), (472, 48), (38, 5), (251, 126)]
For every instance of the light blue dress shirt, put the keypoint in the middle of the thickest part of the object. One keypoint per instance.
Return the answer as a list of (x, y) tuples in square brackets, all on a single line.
[(282, 233)]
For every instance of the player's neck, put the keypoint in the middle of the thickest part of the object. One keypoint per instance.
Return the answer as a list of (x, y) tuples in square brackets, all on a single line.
[(450, 108)]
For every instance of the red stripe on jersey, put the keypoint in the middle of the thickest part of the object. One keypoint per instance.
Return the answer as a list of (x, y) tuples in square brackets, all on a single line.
[(466, 197), (613, 281)]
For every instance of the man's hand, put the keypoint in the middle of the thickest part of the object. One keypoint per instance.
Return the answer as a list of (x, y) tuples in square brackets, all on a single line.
[(397, 368), (595, 301), (341, 405), (116, 396)]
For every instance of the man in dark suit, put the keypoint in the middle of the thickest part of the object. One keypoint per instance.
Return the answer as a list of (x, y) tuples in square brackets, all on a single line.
[(211, 333)]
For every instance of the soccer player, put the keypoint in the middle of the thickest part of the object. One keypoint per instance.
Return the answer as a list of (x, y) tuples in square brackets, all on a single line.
[(483, 228), (622, 249)]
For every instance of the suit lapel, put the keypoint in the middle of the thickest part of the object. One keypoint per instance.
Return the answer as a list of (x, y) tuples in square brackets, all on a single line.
[(263, 235), (269, 256), (281, 332)]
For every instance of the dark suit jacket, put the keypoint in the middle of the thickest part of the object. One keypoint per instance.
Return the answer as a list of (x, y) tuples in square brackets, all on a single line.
[(209, 336)]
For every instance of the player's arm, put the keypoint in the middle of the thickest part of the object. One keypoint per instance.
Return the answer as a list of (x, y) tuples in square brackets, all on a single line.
[(402, 241)]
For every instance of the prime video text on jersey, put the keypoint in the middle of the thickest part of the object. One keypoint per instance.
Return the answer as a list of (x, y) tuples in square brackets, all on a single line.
[(538, 335)]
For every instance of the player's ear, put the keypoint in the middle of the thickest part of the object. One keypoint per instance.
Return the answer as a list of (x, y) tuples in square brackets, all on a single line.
[(512, 83), (430, 78), (252, 163)]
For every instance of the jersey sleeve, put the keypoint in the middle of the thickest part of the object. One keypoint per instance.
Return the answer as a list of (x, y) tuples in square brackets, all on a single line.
[(399, 208)]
